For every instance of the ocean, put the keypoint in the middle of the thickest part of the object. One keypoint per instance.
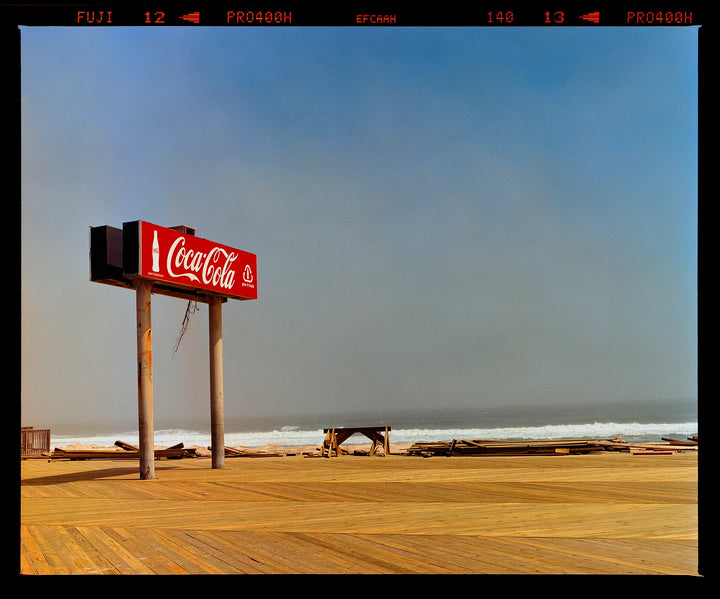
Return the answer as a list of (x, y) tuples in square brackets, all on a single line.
[(638, 422)]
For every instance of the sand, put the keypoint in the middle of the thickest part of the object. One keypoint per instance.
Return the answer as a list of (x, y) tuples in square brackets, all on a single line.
[(607, 513)]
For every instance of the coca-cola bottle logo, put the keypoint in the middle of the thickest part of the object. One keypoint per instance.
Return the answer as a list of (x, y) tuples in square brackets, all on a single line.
[(155, 253)]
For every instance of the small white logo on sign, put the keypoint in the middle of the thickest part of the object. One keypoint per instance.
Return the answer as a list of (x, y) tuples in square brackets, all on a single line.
[(247, 274)]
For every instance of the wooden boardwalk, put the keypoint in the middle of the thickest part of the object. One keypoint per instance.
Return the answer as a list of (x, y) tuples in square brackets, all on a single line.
[(608, 513)]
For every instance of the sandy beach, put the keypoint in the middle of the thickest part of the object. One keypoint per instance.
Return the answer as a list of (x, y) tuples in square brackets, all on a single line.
[(607, 513)]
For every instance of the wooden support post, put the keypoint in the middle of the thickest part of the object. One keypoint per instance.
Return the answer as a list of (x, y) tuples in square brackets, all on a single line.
[(330, 443), (325, 444), (217, 420), (145, 390)]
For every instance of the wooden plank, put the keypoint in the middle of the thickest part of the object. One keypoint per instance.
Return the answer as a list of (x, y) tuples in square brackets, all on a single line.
[(200, 563), (479, 447), (175, 452), (358, 429), (281, 552), (34, 557), (679, 441), (116, 551), (602, 513), (225, 550), (127, 446)]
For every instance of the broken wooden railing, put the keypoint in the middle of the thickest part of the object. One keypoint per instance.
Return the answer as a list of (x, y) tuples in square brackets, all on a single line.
[(34, 442)]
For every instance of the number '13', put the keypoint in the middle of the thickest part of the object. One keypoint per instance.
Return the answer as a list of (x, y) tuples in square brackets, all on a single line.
[(554, 17)]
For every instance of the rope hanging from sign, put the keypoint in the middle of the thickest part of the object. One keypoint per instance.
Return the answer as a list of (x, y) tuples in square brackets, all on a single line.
[(192, 307)]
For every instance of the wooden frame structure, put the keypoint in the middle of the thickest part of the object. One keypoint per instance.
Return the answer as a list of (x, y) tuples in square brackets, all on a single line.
[(334, 437), (34, 441)]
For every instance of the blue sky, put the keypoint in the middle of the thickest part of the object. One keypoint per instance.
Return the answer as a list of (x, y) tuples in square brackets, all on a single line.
[(442, 217)]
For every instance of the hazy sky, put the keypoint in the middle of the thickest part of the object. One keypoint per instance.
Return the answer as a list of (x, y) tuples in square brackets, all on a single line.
[(442, 217)]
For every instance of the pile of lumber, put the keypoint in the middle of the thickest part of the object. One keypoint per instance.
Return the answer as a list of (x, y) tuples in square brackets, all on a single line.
[(501, 447), (488, 447), (232, 452), (669, 447), (270, 451), (125, 451)]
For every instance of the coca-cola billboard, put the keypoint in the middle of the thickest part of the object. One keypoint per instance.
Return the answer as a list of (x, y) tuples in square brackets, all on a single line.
[(179, 259)]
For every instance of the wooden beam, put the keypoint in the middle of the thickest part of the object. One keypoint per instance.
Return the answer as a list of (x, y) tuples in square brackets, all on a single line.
[(145, 390), (217, 419)]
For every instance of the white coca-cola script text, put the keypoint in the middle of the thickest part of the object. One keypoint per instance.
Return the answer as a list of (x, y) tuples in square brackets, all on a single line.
[(213, 268)]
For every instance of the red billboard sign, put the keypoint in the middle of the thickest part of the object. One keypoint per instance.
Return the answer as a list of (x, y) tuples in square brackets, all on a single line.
[(182, 260)]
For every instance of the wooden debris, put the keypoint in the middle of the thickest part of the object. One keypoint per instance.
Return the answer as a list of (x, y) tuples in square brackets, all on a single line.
[(501, 447), (125, 451), (249, 452), (646, 451), (127, 446), (334, 437), (648, 448), (231, 452), (690, 441), (484, 447), (461, 447)]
